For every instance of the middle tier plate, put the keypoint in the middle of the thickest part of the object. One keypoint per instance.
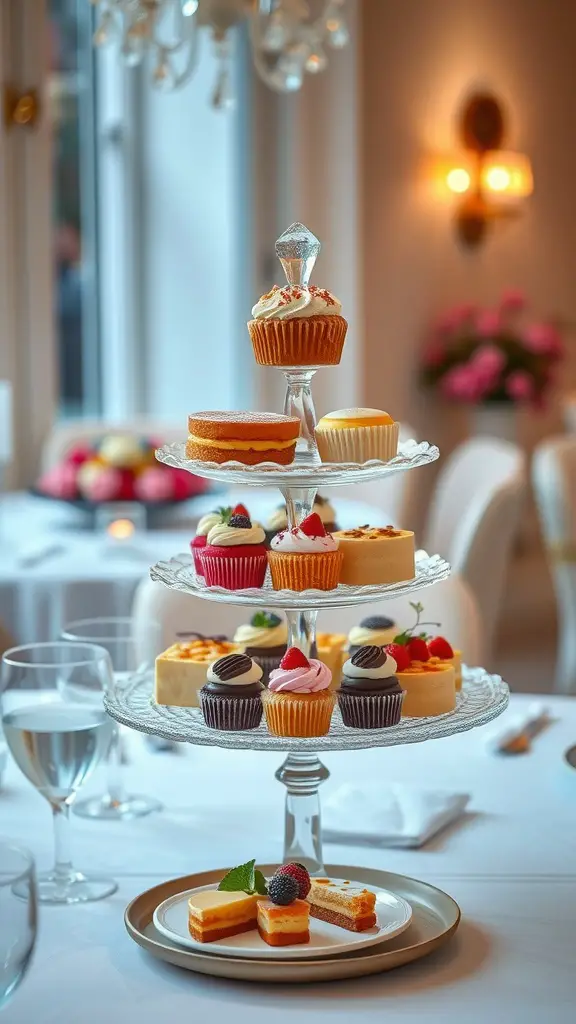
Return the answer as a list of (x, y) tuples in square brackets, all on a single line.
[(179, 574)]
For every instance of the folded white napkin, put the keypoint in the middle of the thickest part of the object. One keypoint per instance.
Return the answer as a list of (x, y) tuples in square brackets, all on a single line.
[(390, 815)]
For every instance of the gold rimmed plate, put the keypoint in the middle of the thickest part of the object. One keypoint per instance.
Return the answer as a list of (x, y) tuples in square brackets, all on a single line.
[(435, 918)]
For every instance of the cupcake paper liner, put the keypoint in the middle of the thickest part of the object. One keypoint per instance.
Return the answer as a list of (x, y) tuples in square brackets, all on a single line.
[(301, 341), (234, 573), (196, 555), (231, 714), (305, 572), (371, 711), (293, 714), (358, 444)]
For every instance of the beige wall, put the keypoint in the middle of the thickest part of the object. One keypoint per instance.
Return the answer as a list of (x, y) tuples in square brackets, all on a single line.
[(419, 58)]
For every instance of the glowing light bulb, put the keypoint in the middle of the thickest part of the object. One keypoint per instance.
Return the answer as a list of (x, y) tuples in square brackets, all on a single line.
[(498, 179), (189, 8), (316, 62), (121, 529), (458, 180)]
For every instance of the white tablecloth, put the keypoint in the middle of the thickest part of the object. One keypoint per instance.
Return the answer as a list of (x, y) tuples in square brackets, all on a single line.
[(89, 575), (511, 865)]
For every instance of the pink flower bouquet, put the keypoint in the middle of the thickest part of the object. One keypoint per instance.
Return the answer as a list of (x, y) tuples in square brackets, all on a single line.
[(493, 355)]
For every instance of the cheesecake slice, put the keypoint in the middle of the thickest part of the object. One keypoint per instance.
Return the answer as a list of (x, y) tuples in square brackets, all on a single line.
[(284, 926), (181, 670), (213, 914), (343, 904)]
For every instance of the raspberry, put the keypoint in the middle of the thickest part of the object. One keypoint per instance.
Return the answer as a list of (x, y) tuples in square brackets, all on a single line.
[(282, 889), (417, 649), (294, 659), (401, 655), (240, 522), (240, 510), (440, 647), (312, 526), (299, 873)]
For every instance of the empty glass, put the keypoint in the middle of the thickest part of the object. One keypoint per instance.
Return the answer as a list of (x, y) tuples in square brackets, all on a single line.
[(18, 915), (56, 728), (132, 645)]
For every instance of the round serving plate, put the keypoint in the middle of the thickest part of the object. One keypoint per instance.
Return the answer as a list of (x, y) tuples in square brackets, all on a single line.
[(482, 698), (179, 574), (300, 473), (435, 918)]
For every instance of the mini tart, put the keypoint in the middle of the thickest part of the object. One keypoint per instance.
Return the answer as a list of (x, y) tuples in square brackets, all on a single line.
[(181, 671), (298, 714), (305, 571), (376, 555), (357, 435), (248, 437), (430, 688), (299, 341)]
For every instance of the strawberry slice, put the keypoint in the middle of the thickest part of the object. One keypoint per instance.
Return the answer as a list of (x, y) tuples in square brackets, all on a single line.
[(240, 510), (313, 526), (418, 649), (440, 648), (401, 655), (294, 659)]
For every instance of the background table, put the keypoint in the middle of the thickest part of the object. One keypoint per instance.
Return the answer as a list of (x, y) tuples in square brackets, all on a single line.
[(87, 574), (510, 863)]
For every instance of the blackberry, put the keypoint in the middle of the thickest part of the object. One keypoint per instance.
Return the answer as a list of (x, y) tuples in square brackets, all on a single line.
[(282, 889), (240, 522)]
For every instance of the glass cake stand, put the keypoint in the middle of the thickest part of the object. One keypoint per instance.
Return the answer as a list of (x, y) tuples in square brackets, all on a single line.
[(483, 696)]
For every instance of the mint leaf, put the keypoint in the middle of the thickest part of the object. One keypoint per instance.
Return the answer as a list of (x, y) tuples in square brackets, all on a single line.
[(260, 883), (402, 638), (225, 511), (239, 879)]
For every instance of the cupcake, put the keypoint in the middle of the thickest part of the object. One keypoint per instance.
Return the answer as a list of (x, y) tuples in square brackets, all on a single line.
[(370, 696), (373, 555), (300, 324), (357, 435), (264, 639), (231, 697), (298, 701), (326, 512), (247, 437), (235, 555), (305, 558), (278, 521), (376, 631), (219, 515)]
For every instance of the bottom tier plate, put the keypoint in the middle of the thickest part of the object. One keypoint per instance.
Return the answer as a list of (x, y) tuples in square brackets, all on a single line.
[(482, 698), (435, 918)]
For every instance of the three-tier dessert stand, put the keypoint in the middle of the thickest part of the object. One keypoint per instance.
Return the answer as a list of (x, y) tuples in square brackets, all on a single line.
[(482, 698)]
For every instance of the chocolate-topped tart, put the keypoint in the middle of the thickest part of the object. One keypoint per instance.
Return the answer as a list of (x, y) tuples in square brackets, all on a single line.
[(370, 696), (230, 698), (377, 630)]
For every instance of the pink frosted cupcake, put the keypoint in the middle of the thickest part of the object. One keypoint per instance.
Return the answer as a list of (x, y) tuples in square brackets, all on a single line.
[(235, 554), (298, 701)]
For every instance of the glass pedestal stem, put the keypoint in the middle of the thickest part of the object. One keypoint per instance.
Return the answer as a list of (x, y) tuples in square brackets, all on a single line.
[(298, 402), (302, 774), (302, 629), (299, 503)]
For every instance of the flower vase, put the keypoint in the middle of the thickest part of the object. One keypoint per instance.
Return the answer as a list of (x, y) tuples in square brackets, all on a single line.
[(495, 419)]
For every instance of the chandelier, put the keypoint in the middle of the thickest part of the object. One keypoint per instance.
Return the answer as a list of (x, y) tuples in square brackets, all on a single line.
[(288, 38)]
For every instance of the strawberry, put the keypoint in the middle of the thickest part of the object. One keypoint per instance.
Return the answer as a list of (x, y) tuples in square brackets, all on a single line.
[(440, 648), (300, 875), (418, 649), (313, 526), (294, 659), (240, 510), (401, 655)]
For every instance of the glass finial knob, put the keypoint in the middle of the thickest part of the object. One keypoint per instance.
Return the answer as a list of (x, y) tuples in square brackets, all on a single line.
[(297, 249)]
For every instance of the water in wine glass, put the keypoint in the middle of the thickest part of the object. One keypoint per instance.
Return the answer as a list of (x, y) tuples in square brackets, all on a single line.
[(57, 746)]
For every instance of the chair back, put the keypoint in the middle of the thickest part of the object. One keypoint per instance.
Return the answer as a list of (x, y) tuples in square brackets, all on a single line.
[(392, 494)]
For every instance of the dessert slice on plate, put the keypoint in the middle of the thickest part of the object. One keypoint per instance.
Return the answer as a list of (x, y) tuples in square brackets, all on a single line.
[(284, 926), (213, 914), (347, 905)]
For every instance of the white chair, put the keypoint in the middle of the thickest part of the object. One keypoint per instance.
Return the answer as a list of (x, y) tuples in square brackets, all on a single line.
[(554, 481), (450, 603), (65, 436), (392, 494), (474, 517)]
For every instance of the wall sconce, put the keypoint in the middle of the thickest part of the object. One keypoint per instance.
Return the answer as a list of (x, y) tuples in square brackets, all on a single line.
[(489, 180)]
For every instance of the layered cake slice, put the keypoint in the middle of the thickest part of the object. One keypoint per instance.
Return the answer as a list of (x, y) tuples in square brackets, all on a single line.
[(213, 914), (344, 904), (284, 925)]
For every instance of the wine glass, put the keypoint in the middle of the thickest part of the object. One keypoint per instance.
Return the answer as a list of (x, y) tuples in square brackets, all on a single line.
[(57, 731), (18, 915), (132, 645)]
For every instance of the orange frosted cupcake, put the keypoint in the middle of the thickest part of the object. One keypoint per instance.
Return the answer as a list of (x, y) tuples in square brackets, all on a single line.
[(305, 558), (300, 324), (298, 701), (357, 435)]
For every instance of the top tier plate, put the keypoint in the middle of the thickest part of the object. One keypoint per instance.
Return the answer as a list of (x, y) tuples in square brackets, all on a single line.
[(300, 474)]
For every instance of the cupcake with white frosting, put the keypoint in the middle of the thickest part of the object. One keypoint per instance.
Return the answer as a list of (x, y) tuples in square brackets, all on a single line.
[(205, 524), (373, 631), (370, 696), (278, 521), (264, 639), (231, 697), (235, 554), (305, 558)]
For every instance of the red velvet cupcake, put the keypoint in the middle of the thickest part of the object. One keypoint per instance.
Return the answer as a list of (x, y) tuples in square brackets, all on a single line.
[(218, 515), (235, 556)]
